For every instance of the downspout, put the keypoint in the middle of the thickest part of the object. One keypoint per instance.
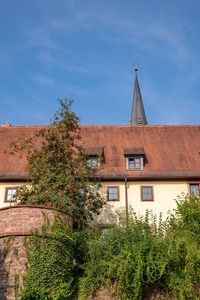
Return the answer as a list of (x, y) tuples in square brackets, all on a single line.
[(126, 201)]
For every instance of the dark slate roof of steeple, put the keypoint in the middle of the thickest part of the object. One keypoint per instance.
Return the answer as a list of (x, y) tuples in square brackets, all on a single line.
[(138, 116)]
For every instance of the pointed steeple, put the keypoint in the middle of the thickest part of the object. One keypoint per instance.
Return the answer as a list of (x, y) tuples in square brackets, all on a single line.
[(138, 116)]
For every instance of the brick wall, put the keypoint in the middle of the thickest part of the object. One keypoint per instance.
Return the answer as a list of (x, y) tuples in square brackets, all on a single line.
[(17, 222)]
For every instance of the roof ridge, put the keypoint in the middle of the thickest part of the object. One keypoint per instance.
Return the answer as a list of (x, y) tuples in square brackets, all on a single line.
[(104, 125), (138, 126), (23, 126)]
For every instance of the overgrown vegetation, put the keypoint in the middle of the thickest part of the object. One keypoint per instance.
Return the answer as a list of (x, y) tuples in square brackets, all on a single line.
[(147, 257), (51, 267)]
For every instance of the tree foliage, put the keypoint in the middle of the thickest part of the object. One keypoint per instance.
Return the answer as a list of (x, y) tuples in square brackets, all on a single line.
[(58, 174)]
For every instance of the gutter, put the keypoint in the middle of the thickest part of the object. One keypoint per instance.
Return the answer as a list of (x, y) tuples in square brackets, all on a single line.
[(147, 177), (13, 177), (114, 177), (126, 200)]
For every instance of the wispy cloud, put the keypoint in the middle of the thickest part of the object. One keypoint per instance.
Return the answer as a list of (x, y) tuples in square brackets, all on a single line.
[(155, 34), (44, 80), (147, 31), (40, 37)]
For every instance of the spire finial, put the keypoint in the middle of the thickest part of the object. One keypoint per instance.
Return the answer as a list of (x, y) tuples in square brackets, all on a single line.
[(136, 64)]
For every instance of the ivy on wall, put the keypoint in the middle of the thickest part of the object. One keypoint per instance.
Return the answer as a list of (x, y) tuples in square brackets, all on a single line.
[(50, 273)]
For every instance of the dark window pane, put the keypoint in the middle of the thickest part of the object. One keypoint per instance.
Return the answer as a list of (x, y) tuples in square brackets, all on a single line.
[(137, 163), (93, 162), (194, 189), (131, 163), (147, 193), (134, 163), (10, 194), (113, 193)]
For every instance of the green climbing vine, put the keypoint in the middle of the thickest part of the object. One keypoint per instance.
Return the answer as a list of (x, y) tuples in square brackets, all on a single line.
[(50, 272)]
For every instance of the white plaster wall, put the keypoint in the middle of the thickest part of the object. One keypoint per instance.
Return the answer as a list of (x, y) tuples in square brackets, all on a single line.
[(165, 194)]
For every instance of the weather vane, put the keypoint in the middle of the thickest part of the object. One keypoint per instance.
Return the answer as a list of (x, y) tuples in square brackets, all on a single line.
[(136, 64)]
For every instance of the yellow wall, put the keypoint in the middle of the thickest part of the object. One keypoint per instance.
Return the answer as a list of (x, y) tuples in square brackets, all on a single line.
[(165, 194)]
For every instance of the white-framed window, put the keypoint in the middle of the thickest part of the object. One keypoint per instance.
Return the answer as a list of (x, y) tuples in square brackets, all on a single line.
[(194, 189), (93, 162), (134, 163), (10, 193), (113, 193), (147, 193)]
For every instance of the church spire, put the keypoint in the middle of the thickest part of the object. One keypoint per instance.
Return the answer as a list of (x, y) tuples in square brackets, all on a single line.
[(138, 116)]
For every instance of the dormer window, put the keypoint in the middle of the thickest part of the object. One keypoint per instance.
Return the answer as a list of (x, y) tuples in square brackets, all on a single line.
[(134, 163), (134, 159), (94, 157), (93, 162)]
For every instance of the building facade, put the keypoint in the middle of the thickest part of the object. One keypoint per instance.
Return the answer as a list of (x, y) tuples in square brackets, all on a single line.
[(140, 166)]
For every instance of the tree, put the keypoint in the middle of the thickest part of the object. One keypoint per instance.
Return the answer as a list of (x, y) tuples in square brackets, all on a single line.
[(57, 170)]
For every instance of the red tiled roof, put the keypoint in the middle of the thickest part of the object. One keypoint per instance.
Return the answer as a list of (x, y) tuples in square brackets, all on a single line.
[(132, 151), (96, 151), (170, 151)]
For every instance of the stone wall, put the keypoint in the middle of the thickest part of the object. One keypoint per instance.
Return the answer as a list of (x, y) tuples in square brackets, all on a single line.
[(17, 222)]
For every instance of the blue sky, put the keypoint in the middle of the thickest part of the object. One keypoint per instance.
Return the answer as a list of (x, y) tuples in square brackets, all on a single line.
[(85, 50)]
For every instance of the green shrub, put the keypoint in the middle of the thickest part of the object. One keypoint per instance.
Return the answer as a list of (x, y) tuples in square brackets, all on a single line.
[(146, 256), (187, 217)]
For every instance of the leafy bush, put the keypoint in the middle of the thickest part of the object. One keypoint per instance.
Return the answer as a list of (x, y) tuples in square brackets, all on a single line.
[(147, 256), (187, 217), (184, 234)]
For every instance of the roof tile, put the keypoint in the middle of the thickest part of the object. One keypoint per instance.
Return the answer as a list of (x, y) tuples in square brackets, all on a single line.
[(170, 150)]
